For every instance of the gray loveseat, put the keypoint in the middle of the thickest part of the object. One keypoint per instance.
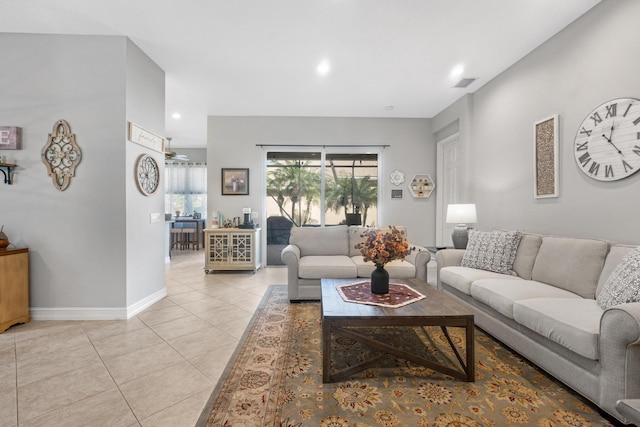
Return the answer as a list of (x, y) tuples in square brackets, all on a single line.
[(329, 252), (546, 307)]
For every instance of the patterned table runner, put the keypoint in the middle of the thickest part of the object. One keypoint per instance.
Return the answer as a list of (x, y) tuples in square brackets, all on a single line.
[(360, 293)]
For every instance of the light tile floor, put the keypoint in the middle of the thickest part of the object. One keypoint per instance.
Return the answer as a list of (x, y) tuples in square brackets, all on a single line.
[(155, 369)]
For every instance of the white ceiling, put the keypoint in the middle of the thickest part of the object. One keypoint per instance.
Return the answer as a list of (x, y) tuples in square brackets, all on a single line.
[(257, 57)]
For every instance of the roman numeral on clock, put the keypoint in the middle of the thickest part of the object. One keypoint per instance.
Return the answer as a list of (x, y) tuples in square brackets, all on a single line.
[(586, 132), (582, 146), (584, 159), (627, 166), (596, 118), (608, 171), (611, 110), (636, 121)]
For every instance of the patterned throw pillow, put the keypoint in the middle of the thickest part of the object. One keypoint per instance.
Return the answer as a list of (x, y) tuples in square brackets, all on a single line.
[(623, 285), (493, 251)]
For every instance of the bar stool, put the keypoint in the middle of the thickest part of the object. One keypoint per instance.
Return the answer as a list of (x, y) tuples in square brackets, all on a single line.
[(176, 238), (189, 238)]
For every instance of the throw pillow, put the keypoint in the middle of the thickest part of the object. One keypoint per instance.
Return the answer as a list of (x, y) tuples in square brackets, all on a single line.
[(492, 251), (623, 285)]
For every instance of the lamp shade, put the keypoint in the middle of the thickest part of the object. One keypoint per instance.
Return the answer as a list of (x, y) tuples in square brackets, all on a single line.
[(461, 214)]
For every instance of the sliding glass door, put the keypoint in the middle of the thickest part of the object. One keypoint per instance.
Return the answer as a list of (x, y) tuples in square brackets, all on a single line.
[(351, 189), (293, 186), (316, 188)]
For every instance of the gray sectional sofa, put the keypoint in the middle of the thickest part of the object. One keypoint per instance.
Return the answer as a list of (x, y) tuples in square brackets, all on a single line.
[(330, 252), (546, 305)]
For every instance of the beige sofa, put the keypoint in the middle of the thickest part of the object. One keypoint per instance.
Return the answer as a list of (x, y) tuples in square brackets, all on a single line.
[(329, 252), (547, 309)]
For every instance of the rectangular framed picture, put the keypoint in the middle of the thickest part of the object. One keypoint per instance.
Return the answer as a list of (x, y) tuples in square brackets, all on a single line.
[(10, 138), (235, 182), (545, 158), (396, 193)]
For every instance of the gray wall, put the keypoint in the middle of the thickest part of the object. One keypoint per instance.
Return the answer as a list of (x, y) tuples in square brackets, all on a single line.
[(232, 144), (83, 241), (593, 60)]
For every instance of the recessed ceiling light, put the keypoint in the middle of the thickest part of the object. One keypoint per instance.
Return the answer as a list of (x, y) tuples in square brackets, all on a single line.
[(323, 67), (457, 71), (176, 115)]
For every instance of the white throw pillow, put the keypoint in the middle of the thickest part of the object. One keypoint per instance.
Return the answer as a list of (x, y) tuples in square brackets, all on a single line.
[(492, 251), (623, 285)]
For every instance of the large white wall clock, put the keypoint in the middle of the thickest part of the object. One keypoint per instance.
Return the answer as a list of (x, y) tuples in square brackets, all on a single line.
[(147, 175), (607, 143)]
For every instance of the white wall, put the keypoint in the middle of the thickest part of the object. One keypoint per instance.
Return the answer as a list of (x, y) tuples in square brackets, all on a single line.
[(232, 144), (146, 241), (591, 61), (78, 237)]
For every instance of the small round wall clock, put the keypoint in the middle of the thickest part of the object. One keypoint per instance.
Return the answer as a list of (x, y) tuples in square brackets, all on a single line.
[(607, 143), (147, 174)]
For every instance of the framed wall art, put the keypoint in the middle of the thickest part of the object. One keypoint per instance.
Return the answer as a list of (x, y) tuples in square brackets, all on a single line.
[(10, 138), (235, 182), (545, 158), (143, 137)]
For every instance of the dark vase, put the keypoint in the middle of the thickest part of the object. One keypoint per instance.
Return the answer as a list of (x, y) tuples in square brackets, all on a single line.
[(380, 280)]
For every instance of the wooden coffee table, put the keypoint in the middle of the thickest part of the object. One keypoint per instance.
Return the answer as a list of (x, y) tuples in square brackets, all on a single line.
[(437, 309)]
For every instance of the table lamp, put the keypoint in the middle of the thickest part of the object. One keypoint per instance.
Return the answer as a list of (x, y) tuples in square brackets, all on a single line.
[(461, 215)]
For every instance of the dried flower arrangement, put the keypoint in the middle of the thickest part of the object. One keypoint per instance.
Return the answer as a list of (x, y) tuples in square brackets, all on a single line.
[(381, 247)]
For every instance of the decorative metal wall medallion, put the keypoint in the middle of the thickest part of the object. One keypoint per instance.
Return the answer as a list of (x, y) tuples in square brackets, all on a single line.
[(61, 155), (147, 174)]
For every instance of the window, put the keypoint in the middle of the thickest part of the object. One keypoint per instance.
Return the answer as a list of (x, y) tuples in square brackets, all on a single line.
[(186, 188)]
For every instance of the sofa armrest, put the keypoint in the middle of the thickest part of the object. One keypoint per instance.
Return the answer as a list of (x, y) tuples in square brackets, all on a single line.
[(619, 354), (419, 257), (447, 258), (291, 257)]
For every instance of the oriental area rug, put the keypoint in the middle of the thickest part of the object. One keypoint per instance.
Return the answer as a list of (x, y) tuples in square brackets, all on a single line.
[(275, 379)]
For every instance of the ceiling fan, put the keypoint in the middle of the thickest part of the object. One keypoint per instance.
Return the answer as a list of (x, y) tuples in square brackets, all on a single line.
[(172, 155)]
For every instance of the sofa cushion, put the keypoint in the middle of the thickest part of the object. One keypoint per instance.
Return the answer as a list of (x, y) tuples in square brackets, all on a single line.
[(572, 323), (397, 269), (332, 240), (570, 263), (355, 236), (492, 251), (623, 284), (462, 277), (614, 257), (526, 254), (502, 294), (332, 267)]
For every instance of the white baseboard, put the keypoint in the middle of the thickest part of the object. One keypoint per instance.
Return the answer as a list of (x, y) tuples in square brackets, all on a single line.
[(75, 313), (145, 303), (96, 313)]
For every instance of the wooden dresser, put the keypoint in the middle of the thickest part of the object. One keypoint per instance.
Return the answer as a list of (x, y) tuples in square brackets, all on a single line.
[(14, 287)]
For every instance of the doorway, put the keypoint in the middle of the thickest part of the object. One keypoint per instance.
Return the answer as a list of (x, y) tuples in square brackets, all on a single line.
[(449, 170)]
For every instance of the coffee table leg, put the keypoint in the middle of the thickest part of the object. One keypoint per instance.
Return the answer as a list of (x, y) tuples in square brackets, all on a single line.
[(326, 350), (471, 358)]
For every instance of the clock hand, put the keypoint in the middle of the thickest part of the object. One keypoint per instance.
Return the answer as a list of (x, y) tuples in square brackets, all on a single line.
[(611, 142)]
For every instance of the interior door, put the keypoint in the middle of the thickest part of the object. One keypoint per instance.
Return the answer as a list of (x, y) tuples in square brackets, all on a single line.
[(449, 164)]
